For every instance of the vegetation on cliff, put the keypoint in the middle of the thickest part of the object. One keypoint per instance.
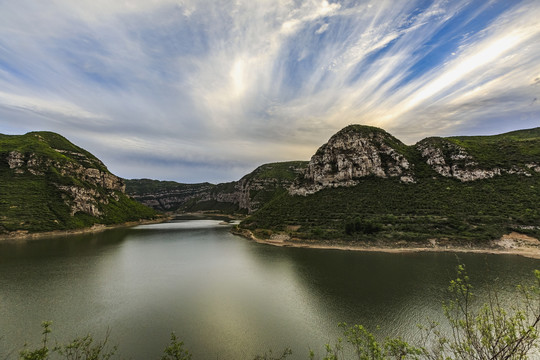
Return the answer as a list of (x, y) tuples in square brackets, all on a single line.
[(467, 189), (47, 183)]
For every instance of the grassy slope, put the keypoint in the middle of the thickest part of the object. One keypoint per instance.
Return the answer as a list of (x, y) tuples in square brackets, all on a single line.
[(434, 207), (33, 203), (515, 148)]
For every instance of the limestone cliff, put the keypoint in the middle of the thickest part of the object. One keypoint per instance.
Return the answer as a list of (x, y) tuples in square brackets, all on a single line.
[(354, 152), (450, 159), (358, 151), (78, 196)]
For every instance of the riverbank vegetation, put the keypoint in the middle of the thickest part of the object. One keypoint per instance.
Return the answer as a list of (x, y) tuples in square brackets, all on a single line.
[(480, 329)]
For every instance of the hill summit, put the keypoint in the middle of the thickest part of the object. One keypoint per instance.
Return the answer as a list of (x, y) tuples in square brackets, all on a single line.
[(354, 152)]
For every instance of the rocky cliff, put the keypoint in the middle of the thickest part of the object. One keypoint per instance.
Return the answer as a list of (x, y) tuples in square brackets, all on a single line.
[(359, 151), (450, 159), (66, 186), (351, 155), (354, 152)]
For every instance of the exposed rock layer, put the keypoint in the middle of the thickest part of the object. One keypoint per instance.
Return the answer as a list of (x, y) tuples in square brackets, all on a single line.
[(353, 153), (80, 198)]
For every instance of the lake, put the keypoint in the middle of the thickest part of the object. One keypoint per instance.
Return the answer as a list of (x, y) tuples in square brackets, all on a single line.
[(226, 297)]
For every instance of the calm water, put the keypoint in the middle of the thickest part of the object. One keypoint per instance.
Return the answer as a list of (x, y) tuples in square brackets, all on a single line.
[(224, 296)]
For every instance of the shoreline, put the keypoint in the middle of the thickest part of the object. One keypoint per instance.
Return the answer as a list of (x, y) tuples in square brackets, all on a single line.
[(96, 228), (510, 244)]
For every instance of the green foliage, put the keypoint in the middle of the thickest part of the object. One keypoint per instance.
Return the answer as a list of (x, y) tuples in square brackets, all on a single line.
[(361, 226), (280, 171), (488, 331), (48, 145), (363, 344), (519, 148), (81, 348), (42, 352), (124, 209), (432, 208), (85, 348), (175, 350)]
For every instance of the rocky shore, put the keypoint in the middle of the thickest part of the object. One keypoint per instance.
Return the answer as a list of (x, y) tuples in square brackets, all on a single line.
[(510, 244), (25, 235)]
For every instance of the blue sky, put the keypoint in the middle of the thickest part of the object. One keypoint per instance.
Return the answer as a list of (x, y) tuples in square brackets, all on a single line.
[(206, 90)]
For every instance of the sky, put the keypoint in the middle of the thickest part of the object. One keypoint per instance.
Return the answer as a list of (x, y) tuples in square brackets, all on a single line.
[(207, 90)]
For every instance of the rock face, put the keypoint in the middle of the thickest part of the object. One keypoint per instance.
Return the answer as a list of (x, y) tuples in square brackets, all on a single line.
[(48, 183), (354, 152), (359, 151), (79, 198), (258, 187), (451, 160), (246, 195)]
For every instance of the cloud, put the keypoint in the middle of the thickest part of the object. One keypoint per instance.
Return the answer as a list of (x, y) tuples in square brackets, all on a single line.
[(212, 89)]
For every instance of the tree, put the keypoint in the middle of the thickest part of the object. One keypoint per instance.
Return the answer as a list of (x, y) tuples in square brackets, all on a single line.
[(489, 331), (478, 332), (175, 350)]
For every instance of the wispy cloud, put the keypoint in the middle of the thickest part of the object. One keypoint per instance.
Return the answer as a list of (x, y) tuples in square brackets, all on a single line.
[(207, 90)]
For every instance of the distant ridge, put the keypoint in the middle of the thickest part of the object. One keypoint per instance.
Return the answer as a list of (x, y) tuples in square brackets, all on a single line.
[(244, 196)]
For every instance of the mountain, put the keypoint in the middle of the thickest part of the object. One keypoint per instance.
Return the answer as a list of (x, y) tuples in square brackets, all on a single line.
[(245, 195), (364, 184), (351, 154), (47, 183)]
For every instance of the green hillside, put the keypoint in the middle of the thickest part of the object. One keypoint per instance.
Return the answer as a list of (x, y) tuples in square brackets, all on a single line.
[(434, 206), (388, 209), (514, 148), (44, 178)]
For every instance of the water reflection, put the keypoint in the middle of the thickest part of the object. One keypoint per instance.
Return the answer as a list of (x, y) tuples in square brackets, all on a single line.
[(224, 296)]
